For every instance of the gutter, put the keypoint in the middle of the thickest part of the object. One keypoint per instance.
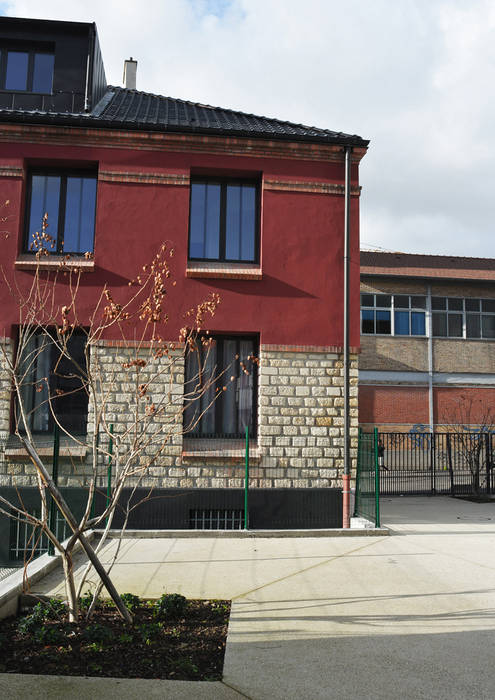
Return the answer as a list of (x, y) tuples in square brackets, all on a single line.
[(346, 479)]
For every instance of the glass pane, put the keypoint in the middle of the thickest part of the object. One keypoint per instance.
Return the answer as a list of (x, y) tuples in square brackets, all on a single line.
[(438, 303), (233, 223), (248, 222), (440, 325), (229, 396), (384, 300), (472, 304), (401, 322), (246, 387), (367, 299), (418, 323), (454, 304), (45, 198), (383, 322), (367, 321), (418, 302), (401, 301), (43, 72), (204, 237), (199, 391), (80, 210), (455, 325), (17, 70), (488, 305), (71, 406), (488, 326), (473, 326)]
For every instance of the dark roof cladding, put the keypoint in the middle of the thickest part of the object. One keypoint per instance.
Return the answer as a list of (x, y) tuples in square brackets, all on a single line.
[(131, 109), (427, 266)]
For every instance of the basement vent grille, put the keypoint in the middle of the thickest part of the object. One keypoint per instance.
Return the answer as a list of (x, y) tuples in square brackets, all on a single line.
[(216, 519)]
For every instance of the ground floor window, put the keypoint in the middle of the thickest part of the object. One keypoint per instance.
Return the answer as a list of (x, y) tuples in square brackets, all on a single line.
[(52, 382), (221, 388)]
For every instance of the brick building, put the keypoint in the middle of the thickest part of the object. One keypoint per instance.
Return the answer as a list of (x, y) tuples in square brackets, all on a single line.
[(427, 341), (255, 210)]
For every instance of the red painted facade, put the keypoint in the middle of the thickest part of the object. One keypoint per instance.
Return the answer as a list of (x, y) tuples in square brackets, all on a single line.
[(298, 300)]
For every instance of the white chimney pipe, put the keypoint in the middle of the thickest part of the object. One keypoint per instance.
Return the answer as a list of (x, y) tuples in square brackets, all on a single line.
[(130, 68)]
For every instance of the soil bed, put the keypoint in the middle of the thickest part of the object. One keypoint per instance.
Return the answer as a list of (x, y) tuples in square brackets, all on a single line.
[(186, 646)]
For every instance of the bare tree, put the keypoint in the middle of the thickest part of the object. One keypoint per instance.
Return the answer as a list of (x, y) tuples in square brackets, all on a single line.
[(145, 366), (470, 424)]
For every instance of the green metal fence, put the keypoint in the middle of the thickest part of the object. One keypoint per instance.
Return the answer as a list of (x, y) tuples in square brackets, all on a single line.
[(367, 501)]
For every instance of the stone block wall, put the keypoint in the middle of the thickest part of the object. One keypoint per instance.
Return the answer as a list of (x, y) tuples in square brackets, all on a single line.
[(299, 441)]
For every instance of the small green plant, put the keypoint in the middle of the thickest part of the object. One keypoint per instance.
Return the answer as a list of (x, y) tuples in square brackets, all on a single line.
[(98, 633), (53, 609), (125, 638), (86, 600), (186, 666), (49, 635), (131, 601), (96, 647), (170, 605), (149, 631)]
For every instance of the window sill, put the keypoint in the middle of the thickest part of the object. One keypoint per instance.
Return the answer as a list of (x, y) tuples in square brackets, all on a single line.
[(15, 450), (220, 270), (54, 262), (211, 449)]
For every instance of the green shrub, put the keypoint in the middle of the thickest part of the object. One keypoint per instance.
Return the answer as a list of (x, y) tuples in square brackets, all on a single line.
[(131, 601), (170, 605), (53, 609)]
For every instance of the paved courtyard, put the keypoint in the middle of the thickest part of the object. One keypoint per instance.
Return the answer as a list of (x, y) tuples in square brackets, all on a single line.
[(406, 616)]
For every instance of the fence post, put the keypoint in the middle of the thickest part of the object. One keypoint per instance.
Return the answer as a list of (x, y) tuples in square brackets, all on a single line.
[(246, 483), (488, 463), (377, 479), (358, 465), (451, 468), (109, 469), (432, 459), (52, 522)]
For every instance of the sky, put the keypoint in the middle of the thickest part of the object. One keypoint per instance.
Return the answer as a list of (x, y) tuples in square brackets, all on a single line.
[(416, 77)]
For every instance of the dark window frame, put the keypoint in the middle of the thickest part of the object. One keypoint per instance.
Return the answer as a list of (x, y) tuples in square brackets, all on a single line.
[(54, 383), (32, 51), (224, 182), (386, 303), (63, 173), (217, 405)]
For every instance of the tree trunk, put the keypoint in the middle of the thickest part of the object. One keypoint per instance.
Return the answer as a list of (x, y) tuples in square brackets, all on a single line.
[(70, 587), (67, 513)]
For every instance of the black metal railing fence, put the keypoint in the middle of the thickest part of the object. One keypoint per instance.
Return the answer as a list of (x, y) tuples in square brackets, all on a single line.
[(455, 463)]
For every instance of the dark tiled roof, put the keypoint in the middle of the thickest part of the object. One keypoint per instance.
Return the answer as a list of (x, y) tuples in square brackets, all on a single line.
[(427, 266), (131, 109)]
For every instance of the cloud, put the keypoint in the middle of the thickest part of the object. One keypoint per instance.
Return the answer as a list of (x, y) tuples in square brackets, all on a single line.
[(416, 77)]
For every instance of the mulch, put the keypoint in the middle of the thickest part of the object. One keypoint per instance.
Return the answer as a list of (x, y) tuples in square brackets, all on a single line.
[(190, 647)]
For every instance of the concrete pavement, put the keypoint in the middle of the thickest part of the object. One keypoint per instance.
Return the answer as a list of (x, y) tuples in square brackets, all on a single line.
[(411, 615)]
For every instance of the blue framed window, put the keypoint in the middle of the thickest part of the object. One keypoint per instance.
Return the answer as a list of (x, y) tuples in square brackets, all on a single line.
[(26, 70), (398, 314), (223, 220), (69, 200)]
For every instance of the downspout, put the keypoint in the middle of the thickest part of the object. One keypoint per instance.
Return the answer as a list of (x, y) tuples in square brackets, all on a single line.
[(429, 319), (346, 479)]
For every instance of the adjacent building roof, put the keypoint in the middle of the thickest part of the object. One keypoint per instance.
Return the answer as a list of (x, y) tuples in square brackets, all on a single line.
[(427, 266), (122, 108)]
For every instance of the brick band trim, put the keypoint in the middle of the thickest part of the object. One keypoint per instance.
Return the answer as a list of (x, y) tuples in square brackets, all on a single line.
[(11, 171), (106, 343), (144, 178), (334, 349), (159, 141), (313, 187)]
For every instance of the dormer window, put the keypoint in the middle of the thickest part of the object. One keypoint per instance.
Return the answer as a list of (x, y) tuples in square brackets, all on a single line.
[(26, 70)]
